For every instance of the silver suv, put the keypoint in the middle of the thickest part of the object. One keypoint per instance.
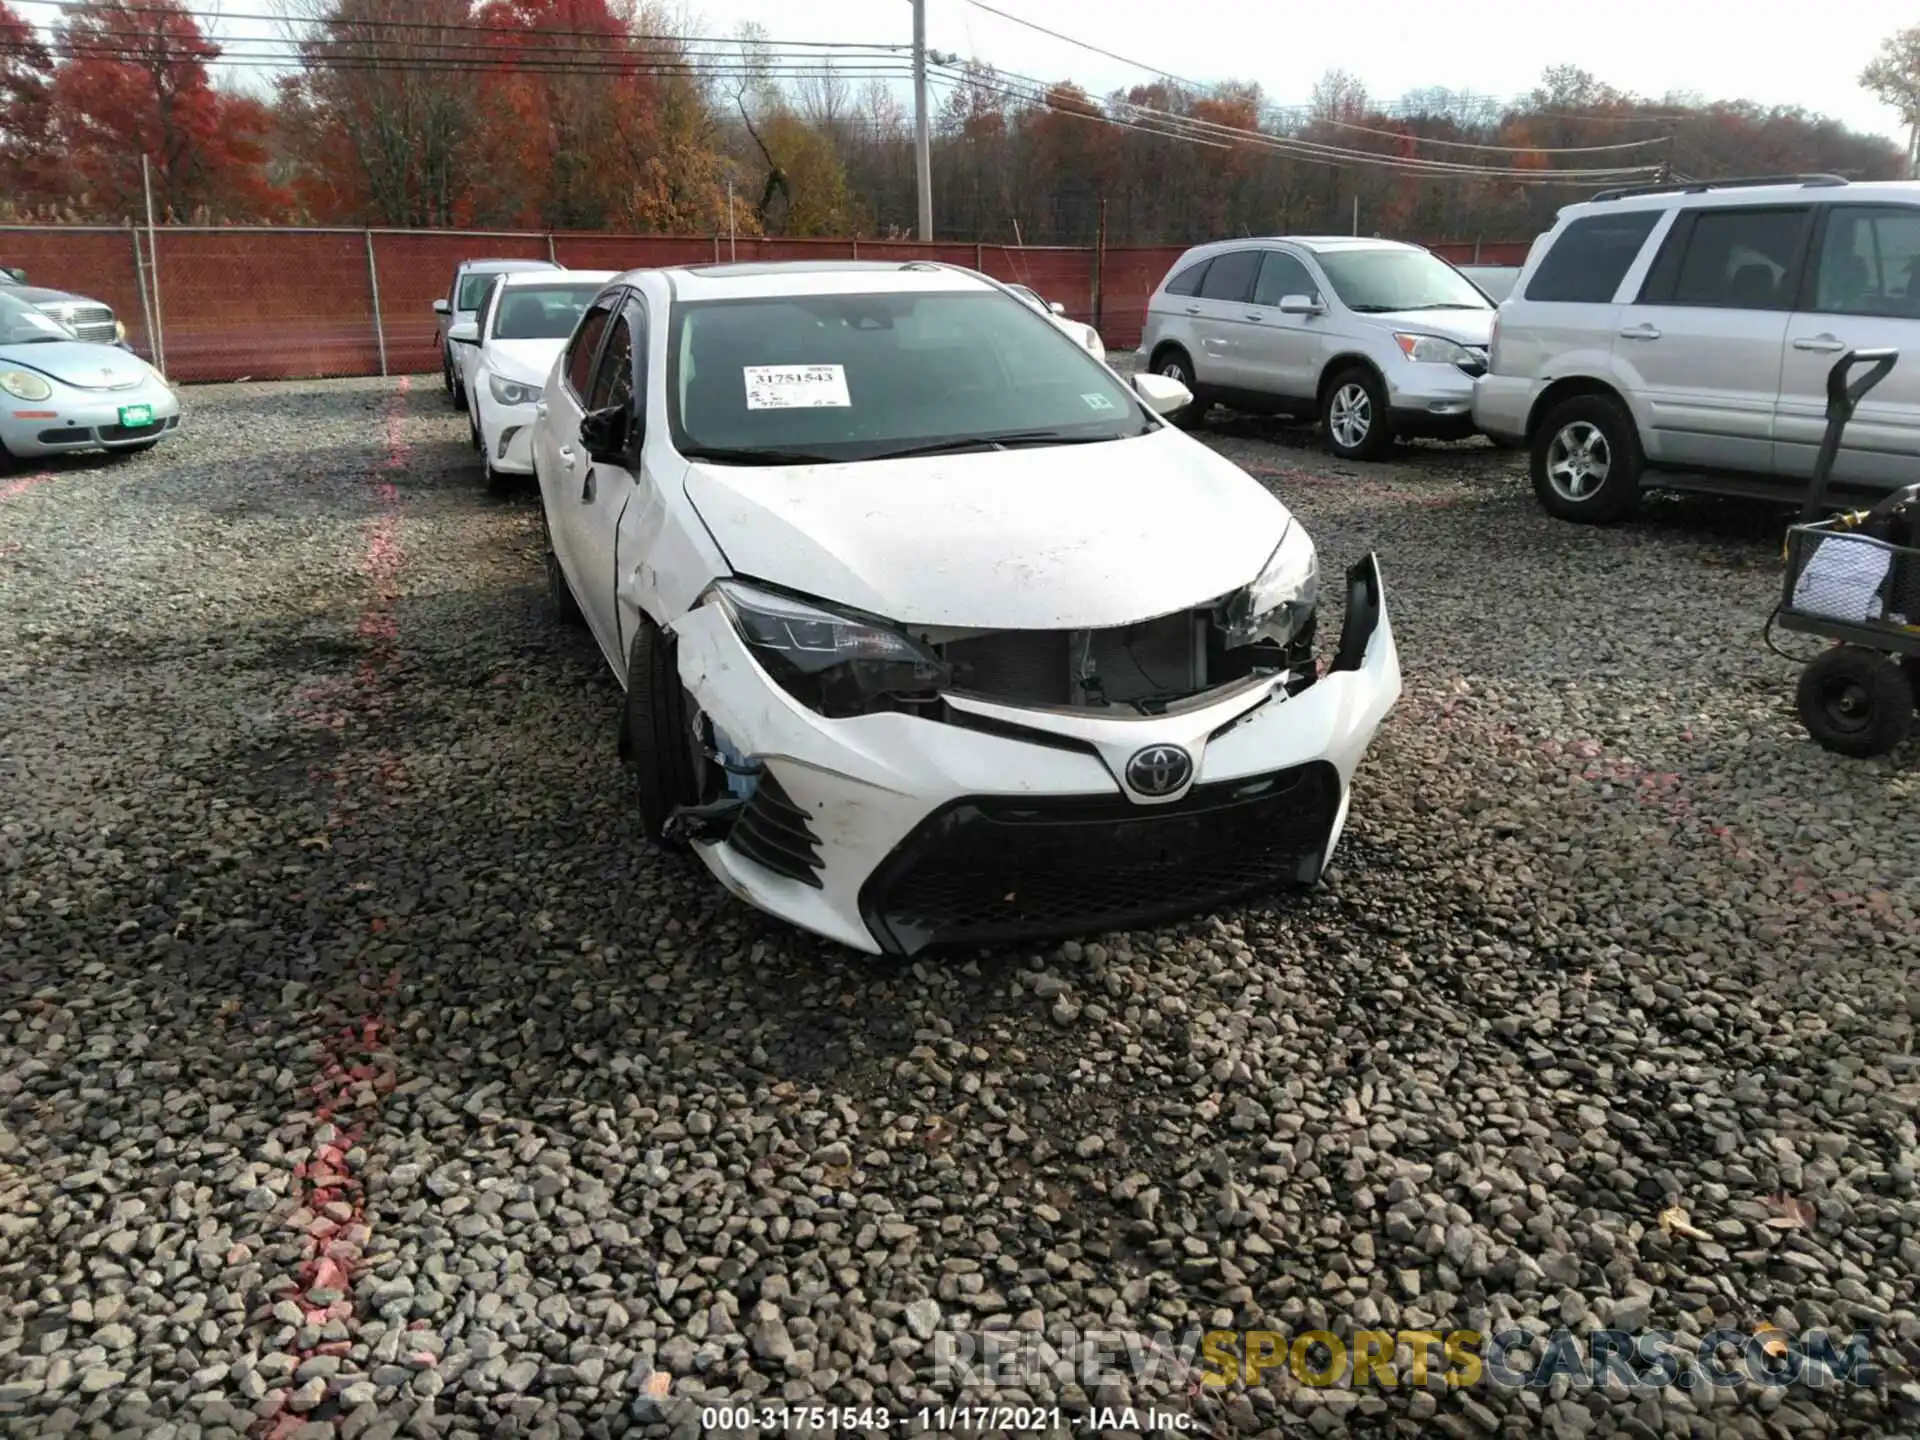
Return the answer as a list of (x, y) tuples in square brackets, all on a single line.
[(461, 304), (1680, 336), (1373, 338)]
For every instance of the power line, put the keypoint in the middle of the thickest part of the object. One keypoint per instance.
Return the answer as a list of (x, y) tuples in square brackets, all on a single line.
[(1084, 45)]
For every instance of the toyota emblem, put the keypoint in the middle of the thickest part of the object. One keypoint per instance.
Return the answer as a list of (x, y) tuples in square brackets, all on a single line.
[(1159, 770)]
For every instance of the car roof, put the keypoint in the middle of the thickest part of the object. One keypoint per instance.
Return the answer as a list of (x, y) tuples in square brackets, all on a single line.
[(754, 280), (1802, 191), (487, 265), (1312, 244), (514, 278)]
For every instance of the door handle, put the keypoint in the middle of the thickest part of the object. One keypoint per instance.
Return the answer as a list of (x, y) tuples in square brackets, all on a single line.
[(540, 409), (567, 457), (1825, 344), (1639, 332), (1193, 309), (1255, 315)]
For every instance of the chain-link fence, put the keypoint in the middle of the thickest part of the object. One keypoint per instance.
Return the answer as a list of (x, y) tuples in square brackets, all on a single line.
[(230, 303)]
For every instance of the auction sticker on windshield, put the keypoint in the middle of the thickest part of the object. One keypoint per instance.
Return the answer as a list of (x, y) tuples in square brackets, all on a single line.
[(796, 387)]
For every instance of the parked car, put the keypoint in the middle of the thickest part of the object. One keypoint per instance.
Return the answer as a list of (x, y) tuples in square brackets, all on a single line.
[(1376, 339), (88, 319), (459, 306), (916, 646), (64, 393), (1680, 336), (1084, 334), (1495, 281), (505, 354)]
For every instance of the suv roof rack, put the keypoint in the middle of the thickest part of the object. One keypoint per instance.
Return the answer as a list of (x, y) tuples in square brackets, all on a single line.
[(1700, 187)]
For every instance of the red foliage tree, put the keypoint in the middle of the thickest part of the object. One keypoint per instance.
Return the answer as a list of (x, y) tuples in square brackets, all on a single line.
[(28, 172), (132, 80)]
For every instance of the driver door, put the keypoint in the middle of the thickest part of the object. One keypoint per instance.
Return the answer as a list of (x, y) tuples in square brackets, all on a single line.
[(557, 457), (594, 493)]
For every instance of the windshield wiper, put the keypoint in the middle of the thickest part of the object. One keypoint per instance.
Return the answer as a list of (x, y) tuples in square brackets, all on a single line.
[(1009, 441), (749, 455), (1443, 305), (1373, 309)]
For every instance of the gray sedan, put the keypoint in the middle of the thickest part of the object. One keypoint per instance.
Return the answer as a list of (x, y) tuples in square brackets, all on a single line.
[(59, 393)]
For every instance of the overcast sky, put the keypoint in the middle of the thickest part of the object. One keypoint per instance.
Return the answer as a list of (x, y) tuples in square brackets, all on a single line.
[(1775, 54)]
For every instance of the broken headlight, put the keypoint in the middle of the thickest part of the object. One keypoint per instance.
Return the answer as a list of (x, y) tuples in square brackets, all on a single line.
[(834, 661), (1278, 606)]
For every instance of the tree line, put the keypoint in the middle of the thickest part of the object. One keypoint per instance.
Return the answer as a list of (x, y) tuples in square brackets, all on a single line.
[(610, 115)]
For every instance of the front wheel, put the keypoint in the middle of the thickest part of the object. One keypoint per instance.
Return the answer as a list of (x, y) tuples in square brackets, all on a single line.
[(656, 738), (1353, 412), (1586, 461), (1856, 702)]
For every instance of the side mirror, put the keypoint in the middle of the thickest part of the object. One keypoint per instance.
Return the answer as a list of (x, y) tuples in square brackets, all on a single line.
[(1056, 307), (1162, 393), (467, 332), (1301, 305), (440, 307), (610, 436)]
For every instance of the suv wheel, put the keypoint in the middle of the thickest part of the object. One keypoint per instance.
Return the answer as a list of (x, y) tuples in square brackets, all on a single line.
[(1586, 460), (1175, 365), (1353, 412)]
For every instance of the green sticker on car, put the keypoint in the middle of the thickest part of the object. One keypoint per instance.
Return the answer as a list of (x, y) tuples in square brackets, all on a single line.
[(133, 417)]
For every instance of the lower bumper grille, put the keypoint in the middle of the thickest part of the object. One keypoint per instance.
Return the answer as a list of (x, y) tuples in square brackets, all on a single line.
[(774, 832), (994, 869)]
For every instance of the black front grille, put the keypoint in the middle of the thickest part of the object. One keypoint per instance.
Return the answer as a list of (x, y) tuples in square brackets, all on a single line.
[(1000, 868), (773, 831), (137, 432)]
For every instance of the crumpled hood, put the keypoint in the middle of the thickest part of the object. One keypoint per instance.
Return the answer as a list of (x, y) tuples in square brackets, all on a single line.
[(82, 364), (1060, 538), (527, 361), (1463, 327)]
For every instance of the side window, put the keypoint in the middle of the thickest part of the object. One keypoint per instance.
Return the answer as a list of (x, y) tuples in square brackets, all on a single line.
[(1740, 259), (1586, 264), (487, 303), (1282, 275), (1230, 277), (613, 378), (1187, 282), (586, 340), (1870, 262)]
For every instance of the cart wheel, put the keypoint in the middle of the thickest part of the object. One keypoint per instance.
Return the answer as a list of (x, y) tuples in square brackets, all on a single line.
[(1856, 702)]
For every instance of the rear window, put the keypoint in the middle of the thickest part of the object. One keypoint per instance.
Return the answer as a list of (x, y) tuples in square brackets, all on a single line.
[(1187, 282), (1591, 257)]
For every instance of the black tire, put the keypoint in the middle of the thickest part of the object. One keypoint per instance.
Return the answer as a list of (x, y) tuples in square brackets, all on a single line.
[(500, 483), (1855, 701), (473, 430), (1354, 416), (1585, 460), (656, 741), (446, 368), (1175, 364), (558, 591), (459, 396)]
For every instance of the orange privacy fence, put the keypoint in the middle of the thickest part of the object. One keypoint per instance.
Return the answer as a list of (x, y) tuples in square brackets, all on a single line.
[(272, 304)]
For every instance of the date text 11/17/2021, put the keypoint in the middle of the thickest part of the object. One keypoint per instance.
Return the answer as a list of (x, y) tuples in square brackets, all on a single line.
[(781, 1420)]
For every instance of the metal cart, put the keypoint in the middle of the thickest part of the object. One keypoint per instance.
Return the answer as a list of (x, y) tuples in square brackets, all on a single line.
[(1855, 579)]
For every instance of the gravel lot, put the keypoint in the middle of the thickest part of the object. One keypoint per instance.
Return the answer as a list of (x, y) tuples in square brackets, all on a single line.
[(363, 1072)]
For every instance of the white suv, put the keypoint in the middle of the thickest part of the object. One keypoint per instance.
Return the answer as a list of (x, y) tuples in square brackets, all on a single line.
[(1373, 338), (1680, 336)]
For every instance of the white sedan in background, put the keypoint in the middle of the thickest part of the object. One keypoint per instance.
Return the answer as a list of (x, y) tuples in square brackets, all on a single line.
[(932, 630), (1086, 335), (505, 353)]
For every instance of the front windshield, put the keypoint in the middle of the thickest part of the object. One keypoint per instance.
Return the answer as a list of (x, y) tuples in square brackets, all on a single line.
[(21, 324), (1377, 281), (541, 312), (861, 377)]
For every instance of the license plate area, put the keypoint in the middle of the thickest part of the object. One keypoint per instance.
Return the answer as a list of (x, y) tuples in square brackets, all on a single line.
[(135, 417)]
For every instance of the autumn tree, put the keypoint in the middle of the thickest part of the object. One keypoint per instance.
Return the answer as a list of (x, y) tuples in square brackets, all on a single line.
[(28, 169), (1894, 78), (132, 81)]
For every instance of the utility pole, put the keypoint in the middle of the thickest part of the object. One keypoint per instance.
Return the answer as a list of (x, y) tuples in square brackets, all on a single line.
[(922, 140)]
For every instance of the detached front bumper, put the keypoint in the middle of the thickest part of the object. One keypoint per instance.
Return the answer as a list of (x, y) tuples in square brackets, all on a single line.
[(890, 833), (1501, 405), (85, 420), (1430, 399)]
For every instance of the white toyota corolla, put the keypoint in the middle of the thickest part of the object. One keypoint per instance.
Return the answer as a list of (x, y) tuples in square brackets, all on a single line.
[(931, 629), (505, 353)]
